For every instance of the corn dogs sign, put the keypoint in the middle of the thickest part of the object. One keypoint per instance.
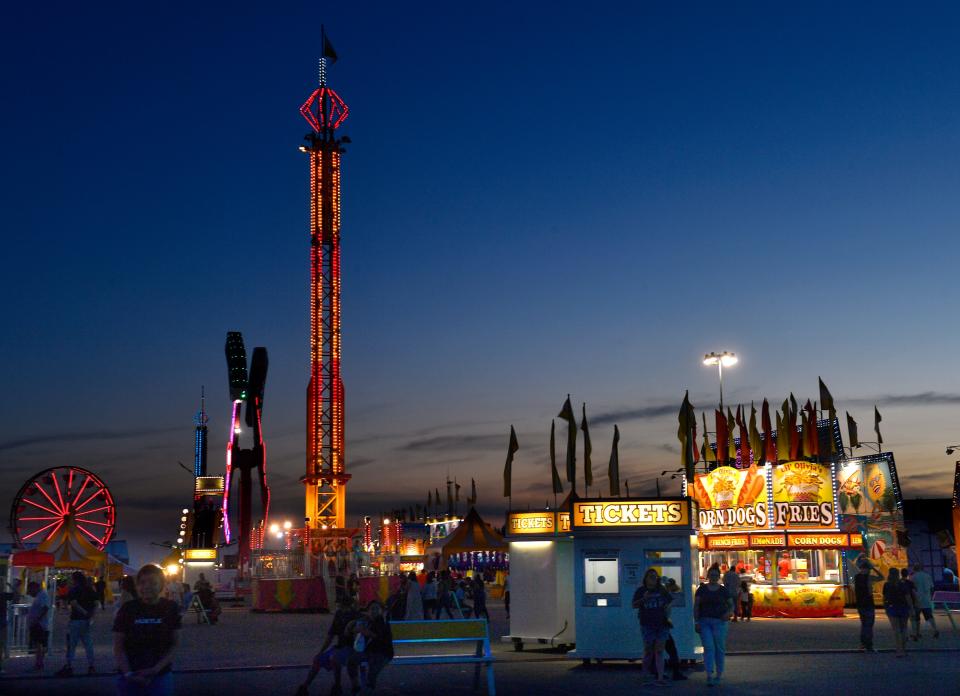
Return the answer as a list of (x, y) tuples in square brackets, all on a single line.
[(732, 499)]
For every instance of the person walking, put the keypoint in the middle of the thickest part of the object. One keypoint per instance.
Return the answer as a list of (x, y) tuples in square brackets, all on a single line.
[(146, 631), (480, 598), (652, 602), (712, 609), (897, 604), (506, 594), (923, 589), (38, 623), (745, 600), (429, 596), (731, 581), (100, 587), (82, 600), (445, 594), (863, 595), (414, 606), (911, 591)]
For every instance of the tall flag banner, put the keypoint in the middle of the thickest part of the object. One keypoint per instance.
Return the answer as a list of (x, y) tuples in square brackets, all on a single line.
[(627, 485), (449, 497), (436, 497), (783, 437), (826, 400), (756, 446), (731, 444), (708, 454), (567, 414), (744, 438), (613, 469), (456, 491), (810, 435), (429, 501), (557, 483), (686, 424), (587, 450), (508, 467), (328, 50), (770, 451), (472, 500), (693, 441), (876, 426), (722, 436), (852, 431), (792, 428)]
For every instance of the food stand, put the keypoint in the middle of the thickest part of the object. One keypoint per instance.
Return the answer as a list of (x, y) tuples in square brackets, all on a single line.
[(780, 526), (541, 569), (615, 541)]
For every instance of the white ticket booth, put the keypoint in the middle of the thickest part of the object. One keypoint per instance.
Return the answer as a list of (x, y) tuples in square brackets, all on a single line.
[(541, 572), (615, 541)]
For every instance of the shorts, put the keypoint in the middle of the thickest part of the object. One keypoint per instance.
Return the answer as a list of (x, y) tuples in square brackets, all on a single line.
[(39, 637), (654, 633)]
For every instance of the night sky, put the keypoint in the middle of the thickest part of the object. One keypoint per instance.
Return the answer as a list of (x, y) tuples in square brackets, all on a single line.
[(539, 199)]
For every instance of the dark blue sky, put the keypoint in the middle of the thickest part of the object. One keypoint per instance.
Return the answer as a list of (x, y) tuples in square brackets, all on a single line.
[(539, 199)]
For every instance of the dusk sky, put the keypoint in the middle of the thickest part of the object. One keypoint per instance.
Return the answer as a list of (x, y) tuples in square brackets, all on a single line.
[(538, 199)]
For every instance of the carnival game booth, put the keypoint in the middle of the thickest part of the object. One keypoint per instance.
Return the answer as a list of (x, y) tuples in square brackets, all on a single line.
[(781, 527), (615, 541), (541, 567), (473, 546)]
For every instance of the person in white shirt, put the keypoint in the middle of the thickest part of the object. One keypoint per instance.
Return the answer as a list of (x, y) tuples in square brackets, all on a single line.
[(923, 585), (38, 623)]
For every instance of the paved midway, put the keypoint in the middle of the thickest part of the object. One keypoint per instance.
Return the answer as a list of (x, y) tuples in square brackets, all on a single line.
[(267, 654)]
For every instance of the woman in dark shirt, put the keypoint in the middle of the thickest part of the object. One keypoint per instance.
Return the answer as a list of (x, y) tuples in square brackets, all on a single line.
[(377, 649), (898, 605), (712, 609)]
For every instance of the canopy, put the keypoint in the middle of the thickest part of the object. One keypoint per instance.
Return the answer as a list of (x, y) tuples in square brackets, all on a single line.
[(473, 534), (32, 559), (71, 550)]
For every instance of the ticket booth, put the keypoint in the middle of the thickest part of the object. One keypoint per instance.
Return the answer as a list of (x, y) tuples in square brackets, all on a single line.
[(541, 569), (615, 541)]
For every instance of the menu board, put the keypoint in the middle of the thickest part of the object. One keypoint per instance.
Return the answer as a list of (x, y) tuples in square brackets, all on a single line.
[(731, 499), (803, 496)]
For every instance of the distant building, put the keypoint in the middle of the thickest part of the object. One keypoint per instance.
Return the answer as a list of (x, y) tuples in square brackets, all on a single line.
[(930, 529)]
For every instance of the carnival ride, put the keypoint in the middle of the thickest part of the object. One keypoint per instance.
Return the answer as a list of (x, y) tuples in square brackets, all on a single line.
[(63, 502), (245, 389)]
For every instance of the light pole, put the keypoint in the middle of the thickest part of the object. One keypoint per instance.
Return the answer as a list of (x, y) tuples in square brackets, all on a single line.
[(721, 360)]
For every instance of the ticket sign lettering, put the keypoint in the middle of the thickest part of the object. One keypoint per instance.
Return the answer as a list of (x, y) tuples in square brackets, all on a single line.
[(563, 521), (631, 513), (774, 541), (530, 523), (728, 541), (200, 554), (805, 541)]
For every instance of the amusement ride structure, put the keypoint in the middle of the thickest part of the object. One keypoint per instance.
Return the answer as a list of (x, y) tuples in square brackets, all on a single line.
[(326, 477)]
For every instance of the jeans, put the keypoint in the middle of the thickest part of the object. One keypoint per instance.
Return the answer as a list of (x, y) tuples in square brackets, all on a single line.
[(868, 615), (79, 630), (713, 635), (160, 685)]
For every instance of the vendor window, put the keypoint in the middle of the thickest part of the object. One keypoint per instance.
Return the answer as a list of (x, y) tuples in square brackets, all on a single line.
[(813, 565), (601, 576)]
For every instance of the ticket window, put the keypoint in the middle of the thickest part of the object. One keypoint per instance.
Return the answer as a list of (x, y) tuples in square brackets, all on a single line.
[(668, 565), (601, 579)]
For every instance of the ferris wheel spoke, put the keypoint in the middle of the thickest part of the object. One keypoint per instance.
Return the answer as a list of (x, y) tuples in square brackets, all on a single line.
[(70, 483), (24, 519), (43, 529), (90, 512), (86, 502), (56, 485), (47, 496), (99, 524), (42, 507), (91, 535), (82, 487)]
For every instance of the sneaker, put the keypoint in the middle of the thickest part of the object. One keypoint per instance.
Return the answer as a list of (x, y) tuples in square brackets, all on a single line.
[(65, 671)]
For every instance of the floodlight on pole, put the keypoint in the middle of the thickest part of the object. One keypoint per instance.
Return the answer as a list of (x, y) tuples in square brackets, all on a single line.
[(721, 360)]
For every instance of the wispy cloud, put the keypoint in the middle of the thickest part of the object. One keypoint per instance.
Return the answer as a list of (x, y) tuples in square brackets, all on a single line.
[(627, 414), (446, 443), (54, 438)]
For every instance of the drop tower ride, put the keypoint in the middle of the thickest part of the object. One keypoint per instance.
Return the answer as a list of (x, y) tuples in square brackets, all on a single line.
[(326, 476)]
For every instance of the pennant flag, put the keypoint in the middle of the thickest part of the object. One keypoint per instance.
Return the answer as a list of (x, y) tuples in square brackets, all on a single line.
[(587, 449), (456, 487), (876, 426), (783, 437), (508, 467), (708, 454), (722, 435), (429, 500), (686, 424), (436, 497), (756, 446), (472, 500), (567, 414), (810, 435), (557, 483), (744, 447), (328, 50), (449, 498), (770, 447), (693, 442), (613, 469), (731, 440), (792, 428), (852, 431), (826, 400), (627, 485)]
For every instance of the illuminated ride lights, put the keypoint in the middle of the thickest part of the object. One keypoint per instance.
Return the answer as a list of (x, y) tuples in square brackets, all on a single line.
[(326, 476), (59, 498)]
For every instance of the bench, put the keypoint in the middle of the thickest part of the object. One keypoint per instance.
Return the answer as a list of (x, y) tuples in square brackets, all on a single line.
[(950, 602), (451, 631)]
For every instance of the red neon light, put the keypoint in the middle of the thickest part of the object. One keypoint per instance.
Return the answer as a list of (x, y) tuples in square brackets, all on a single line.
[(87, 501), (95, 538), (56, 485), (33, 534), (42, 507), (61, 511), (324, 109), (82, 488)]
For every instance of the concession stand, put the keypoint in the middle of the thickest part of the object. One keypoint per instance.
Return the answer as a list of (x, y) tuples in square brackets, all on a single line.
[(615, 541), (541, 569), (780, 527)]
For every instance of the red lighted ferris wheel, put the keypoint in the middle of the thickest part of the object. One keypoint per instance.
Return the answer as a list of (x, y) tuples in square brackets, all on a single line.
[(60, 499)]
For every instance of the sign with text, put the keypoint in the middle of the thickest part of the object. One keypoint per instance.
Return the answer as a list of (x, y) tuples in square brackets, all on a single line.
[(728, 541), (531, 522), (768, 541), (820, 540), (631, 513), (563, 521), (803, 496), (732, 499)]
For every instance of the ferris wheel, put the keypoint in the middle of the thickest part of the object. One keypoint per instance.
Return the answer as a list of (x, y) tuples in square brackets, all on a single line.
[(60, 498)]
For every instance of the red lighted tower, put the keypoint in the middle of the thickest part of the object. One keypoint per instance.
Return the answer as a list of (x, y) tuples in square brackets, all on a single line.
[(326, 477)]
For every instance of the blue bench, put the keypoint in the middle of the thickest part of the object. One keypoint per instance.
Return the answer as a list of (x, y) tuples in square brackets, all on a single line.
[(449, 632), (949, 602)]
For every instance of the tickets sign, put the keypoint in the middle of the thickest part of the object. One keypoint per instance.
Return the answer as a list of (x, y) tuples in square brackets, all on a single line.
[(531, 522), (732, 499), (631, 513), (803, 496)]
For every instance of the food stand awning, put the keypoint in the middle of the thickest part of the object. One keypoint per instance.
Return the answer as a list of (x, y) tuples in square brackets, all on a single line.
[(473, 535), (71, 550)]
